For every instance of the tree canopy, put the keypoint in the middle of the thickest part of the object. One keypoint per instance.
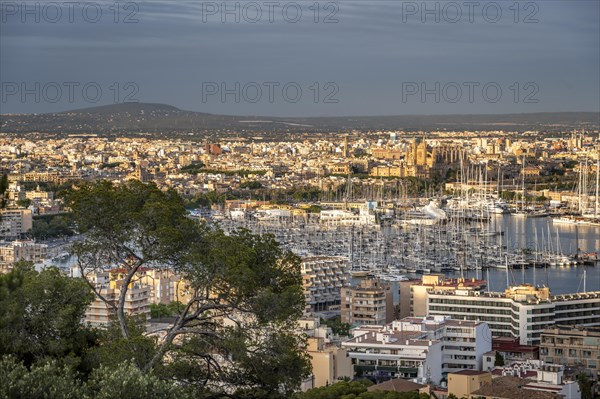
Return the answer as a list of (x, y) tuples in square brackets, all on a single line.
[(41, 313), (355, 390), (244, 295), (233, 335)]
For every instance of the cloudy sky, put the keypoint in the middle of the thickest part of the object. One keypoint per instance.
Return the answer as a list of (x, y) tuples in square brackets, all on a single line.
[(303, 58)]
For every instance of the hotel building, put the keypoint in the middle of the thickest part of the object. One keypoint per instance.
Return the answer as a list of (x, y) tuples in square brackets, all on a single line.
[(422, 349), (521, 311), (322, 280)]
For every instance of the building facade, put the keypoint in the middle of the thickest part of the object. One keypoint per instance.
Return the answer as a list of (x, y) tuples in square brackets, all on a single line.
[(26, 250), (322, 280), (369, 303), (15, 222), (574, 347), (422, 349), (520, 311), (100, 314)]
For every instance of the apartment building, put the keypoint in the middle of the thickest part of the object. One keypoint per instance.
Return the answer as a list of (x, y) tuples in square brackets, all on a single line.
[(165, 285), (322, 280), (137, 300), (418, 290), (14, 251), (520, 311), (15, 222), (162, 283), (420, 349), (575, 347), (14, 194), (329, 362), (371, 302)]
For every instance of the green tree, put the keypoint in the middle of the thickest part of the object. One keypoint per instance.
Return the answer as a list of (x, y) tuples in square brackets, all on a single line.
[(131, 225), (41, 313), (305, 193), (210, 198), (3, 188), (52, 226), (251, 184), (48, 380), (126, 381), (249, 281), (51, 380), (585, 386), (256, 285), (499, 360), (314, 209), (24, 203), (193, 168), (360, 152), (113, 349), (355, 390), (337, 327), (159, 310)]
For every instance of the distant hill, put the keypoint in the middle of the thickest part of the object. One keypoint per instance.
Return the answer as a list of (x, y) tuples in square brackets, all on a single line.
[(126, 108), (168, 120)]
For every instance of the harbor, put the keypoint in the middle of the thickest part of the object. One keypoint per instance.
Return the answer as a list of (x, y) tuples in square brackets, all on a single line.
[(502, 248)]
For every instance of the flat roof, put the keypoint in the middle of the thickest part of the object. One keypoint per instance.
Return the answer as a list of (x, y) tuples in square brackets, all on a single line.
[(470, 372)]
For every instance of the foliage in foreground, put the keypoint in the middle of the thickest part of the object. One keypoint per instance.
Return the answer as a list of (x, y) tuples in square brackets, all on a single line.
[(355, 390), (247, 280), (51, 380), (41, 313)]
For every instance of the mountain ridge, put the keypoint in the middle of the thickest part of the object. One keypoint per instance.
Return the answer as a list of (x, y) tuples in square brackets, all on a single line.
[(165, 119)]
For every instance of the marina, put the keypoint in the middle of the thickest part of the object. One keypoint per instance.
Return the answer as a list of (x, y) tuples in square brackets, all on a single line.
[(526, 249)]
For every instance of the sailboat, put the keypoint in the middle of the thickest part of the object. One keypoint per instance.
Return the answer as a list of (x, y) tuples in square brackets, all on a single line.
[(594, 218), (586, 216), (521, 211)]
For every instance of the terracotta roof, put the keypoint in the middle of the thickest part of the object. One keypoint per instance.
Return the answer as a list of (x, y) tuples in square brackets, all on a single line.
[(397, 385)]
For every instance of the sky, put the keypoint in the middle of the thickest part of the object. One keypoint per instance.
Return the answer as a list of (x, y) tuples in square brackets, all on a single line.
[(302, 58)]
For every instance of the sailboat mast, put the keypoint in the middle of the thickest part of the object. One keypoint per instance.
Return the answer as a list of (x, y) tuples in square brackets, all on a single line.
[(523, 182), (506, 260), (596, 213)]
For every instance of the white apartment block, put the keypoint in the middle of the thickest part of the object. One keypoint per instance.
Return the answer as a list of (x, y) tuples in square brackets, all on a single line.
[(521, 311), (421, 349), (322, 280)]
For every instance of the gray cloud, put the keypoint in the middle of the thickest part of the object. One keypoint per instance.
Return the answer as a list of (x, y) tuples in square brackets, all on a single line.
[(369, 53)]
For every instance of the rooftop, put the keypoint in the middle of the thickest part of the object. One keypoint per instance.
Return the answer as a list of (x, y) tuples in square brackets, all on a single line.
[(470, 372), (397, 385), (512, 388)]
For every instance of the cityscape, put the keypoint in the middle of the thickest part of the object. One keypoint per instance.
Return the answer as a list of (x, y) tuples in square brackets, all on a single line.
[(316, 226)]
